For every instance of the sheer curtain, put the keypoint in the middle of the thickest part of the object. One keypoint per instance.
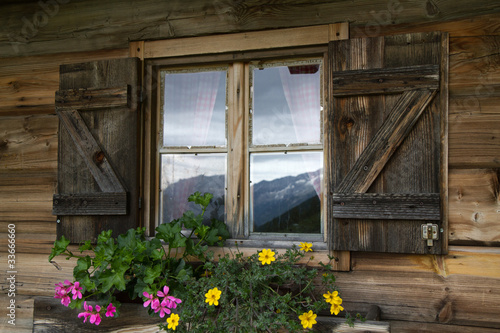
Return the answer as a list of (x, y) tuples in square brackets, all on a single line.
[(301, 88), (189, 98)]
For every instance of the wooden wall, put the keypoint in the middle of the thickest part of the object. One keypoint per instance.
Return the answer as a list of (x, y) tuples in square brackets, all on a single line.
[(456, 292)]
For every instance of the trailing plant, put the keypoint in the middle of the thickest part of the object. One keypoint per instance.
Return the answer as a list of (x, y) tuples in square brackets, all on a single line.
[(176, 275)]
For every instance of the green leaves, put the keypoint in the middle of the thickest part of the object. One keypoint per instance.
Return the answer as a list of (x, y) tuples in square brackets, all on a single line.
[(60, 246)]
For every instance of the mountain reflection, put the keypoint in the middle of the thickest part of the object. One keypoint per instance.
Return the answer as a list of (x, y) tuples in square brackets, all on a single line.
[(284, 205)]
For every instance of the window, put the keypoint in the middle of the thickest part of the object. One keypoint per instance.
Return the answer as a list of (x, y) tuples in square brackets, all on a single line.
[(281, 131)]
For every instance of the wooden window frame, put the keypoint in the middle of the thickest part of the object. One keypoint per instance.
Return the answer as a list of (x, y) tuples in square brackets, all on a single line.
[(235, 48)]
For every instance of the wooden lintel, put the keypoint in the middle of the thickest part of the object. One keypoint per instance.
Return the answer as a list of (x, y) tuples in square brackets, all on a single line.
[(90, 204), (421, 206), (384, 80), (88, 99)]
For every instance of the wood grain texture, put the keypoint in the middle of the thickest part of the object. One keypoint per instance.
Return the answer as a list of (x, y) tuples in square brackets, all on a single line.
[(367, 136), (422, 206), (30, 30), (116, 139), (107, 203), (474, 197)]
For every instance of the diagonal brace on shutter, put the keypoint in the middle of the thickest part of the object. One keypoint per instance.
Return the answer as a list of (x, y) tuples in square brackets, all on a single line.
[(113, 199), (385, 142)]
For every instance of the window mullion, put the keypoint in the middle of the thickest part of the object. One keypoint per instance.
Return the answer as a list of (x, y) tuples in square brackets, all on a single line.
[(236, 195)]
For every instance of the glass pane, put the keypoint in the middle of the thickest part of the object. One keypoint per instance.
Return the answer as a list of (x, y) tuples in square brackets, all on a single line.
[(194, 109), (286, 105), (182, 175), (285, 192)]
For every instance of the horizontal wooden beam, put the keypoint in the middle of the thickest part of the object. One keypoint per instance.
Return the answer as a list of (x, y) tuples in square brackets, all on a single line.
[(245, 41), (421, 206), (90, 204), (88, 99), (385, 80)]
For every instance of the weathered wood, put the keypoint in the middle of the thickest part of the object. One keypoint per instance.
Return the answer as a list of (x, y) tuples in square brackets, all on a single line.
[(28, 143), (106, 203), (420, 206), (113, 129), (93, 155), (385, 80), (23, 314), (87, 99), (27, 84), (414, 287), (40, 32), (474, 197), (391, 133), (420, 327), (50, 316), (413, 168)]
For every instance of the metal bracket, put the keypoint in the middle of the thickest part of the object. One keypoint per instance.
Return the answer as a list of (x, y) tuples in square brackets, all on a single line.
[(430, 233)]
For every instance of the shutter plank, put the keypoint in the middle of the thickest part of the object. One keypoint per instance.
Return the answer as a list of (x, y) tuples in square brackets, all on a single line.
[(90, 204), (89, 149), (86, 99), (390, 135), (385, 80), (419, 206)]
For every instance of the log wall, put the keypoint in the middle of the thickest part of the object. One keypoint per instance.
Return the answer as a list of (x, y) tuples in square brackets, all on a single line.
[(456, 292)]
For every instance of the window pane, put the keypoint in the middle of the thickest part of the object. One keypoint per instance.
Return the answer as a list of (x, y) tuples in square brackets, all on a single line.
[(194, 109), (182, 175), (286, 105), (285, 192)]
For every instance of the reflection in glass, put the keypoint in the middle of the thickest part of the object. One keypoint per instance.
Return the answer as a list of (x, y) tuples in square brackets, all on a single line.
[(194, 109), (286, 191), (286, 105), (184, 174)]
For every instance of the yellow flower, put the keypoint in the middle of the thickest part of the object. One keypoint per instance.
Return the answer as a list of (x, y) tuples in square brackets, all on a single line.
[(333, 298), (173, 321), (308, 319), (213, 296), (266, 256), (336, 308), (306, 246)]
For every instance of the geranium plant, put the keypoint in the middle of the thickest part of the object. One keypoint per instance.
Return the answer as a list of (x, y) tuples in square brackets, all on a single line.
[(178, 279)]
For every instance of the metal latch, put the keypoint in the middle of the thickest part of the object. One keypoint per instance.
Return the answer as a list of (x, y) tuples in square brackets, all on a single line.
[(430, 233)]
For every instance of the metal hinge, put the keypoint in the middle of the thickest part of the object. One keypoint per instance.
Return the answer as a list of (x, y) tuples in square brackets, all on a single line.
[(430, 233)]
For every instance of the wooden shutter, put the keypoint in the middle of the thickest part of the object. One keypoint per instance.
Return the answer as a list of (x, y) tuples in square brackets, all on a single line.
[(387, 117), (98, 184)]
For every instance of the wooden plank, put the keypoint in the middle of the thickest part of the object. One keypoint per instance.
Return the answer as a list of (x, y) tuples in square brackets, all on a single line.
[(106, 203), (23, 314), (390, 135), (421, 206), (92, 153), (420, 327), (40, 33), (28, 143), (385, 80), (49, 316), (474, 197), (86, 99), (237, 42), (27, 84)]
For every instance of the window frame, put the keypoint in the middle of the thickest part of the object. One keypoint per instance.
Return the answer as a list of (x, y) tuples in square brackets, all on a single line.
[(239, 50)]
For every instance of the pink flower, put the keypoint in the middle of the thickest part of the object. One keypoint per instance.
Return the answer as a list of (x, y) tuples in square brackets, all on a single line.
[(62, 291), (149, 297), (163, 309), (76, 290), (110, 310), (172, 301), (95, 317), (87, 313), (164, 293), (155, 305)]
